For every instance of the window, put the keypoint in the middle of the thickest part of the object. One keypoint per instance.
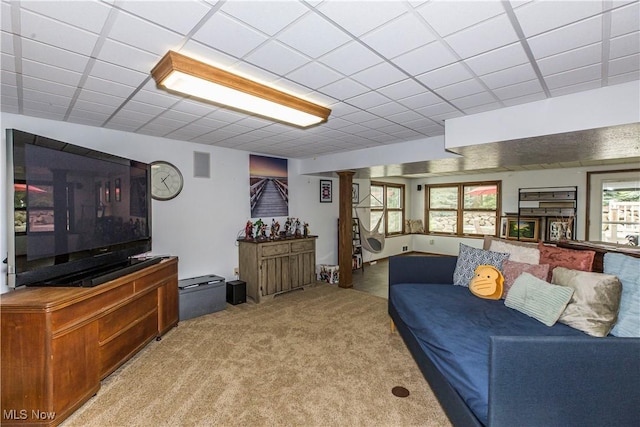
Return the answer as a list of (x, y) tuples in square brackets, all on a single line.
[(387, 200), (614, 207), (462, 208)]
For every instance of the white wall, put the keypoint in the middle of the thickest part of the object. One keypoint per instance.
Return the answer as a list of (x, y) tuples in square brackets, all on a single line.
[(201, 225)]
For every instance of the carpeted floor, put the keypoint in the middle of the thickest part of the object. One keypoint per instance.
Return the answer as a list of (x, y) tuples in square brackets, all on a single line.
[(323, 356)]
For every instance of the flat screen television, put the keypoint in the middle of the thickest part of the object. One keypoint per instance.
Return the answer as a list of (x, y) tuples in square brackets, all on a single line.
[(76, 216)]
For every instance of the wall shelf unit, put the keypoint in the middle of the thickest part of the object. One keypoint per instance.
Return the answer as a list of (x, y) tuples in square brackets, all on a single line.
[(554, 207)]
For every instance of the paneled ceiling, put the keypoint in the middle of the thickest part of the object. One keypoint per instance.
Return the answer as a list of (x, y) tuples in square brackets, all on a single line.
[(391, 71)]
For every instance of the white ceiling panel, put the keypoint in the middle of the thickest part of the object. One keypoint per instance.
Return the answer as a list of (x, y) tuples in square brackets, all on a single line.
[(390, 70)]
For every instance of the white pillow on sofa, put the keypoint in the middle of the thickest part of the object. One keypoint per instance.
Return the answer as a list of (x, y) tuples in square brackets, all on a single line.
[(518, 253)]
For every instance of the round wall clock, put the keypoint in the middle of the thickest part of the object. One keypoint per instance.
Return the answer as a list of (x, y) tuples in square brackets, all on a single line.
[(166, 180)]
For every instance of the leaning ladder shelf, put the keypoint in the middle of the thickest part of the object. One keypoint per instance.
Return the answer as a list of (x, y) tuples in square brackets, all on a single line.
[(555, 207)]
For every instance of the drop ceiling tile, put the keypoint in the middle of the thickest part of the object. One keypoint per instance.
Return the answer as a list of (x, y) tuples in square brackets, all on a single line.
[(193, 107), (524, 99), (118, 74), (99, 99), (538, 17), (157, 98), (87, 15), (46, 98), (624, 78), (379, 75), (93, 107), (445, 76), (566, 38), (7, 62), (467, 87), (483, 107), (267, 16), (86, 118), (436, 109), (625, 20), (276, 57), (43, 110), (46, 86), (56, 33), (359, 117), (491, 34), (576, 58), (566, 90), (208, 54), (5, 16), (47, 72), (121, 54), (425, 58), (368, 100), (133, 115), (6, 43), (399, 36), (420, 100), (402, 89), (405, 116), (510, 76), (497, 59), (370, 14), (624, 45), (579, 75), (314, 75), (475, 100), (448, 17), (350, 58), (148, 37), (343, 89), (52, 55), (518, 90), (140, 107), (228, 35), (624, 65), (179, 16), (313, 36)]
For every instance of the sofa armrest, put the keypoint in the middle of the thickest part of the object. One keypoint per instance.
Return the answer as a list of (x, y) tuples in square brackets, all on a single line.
[(564, 381), (421, 269)]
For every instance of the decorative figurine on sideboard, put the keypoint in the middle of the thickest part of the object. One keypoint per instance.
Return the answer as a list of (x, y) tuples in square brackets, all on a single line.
[(305, 233), (248, 231), (275, 229), (260, 230), (298, 228)]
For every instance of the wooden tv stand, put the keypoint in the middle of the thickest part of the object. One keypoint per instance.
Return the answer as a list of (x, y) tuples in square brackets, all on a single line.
[(58, 343)]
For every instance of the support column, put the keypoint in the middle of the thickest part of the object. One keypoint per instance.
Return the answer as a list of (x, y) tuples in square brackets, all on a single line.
[(345, 242)]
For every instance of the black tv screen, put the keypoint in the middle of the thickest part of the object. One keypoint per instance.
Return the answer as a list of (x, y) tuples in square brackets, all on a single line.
[(72, 210)]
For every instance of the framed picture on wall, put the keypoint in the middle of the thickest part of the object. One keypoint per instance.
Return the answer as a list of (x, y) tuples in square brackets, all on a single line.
[(525, 229), (325, 191), (558, 230), (355, 193), (504, 223)]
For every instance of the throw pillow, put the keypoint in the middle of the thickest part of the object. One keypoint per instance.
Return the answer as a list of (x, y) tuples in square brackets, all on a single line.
[(487, 282), (593, 308), (488, 240), (528, 254), (416, 226), (627, 269), (568, 258), (470, 258), (512, 270), (538, 299)]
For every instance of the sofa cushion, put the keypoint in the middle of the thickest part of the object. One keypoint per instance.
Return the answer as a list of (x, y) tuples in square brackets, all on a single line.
[(459, 345), (512, 270), (538, 299), (470, 258), (528, 253), (593, 308), (626, 268), (562, 257)]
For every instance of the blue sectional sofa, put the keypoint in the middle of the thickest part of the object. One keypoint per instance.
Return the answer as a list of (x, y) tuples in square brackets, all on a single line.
[(491, 365)]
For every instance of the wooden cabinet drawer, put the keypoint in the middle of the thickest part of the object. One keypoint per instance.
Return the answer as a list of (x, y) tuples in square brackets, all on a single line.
[(302, 246), (119, 349), (76, 313), (273, 250), (153, 280), (118, 320)]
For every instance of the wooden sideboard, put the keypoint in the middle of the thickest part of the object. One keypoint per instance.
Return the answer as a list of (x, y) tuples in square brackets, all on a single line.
[(58, 343), (273, 266)]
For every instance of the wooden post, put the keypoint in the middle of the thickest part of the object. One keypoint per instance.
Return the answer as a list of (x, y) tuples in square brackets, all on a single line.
[(345, 243)]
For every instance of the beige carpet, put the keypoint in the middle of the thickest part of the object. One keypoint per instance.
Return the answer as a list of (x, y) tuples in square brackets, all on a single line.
[(322, 356)]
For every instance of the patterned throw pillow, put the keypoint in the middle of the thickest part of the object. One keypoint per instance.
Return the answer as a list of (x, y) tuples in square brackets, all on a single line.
[(567, 258), (528, 254), (538, 299), (512, 270), (470, 258), (626, 268)]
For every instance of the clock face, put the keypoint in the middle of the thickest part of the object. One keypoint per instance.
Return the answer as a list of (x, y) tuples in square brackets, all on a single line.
[(166, 181)]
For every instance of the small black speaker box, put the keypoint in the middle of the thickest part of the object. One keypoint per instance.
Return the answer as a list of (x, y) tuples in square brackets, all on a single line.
[(236, 292)]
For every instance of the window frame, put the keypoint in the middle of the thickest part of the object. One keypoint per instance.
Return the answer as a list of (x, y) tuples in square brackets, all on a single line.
[(385, 209), (460, 209)]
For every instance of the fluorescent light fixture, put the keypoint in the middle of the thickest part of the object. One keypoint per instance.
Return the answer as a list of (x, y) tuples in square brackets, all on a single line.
[(179, 73)]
